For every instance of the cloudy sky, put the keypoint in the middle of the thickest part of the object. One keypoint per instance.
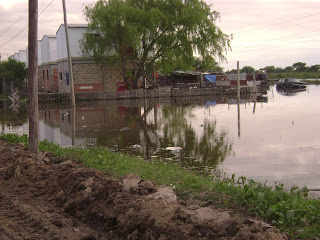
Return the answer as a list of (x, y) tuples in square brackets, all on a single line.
[(265, 32)]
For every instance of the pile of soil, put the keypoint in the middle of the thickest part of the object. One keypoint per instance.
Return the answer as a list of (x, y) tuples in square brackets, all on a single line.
[(44, 197)]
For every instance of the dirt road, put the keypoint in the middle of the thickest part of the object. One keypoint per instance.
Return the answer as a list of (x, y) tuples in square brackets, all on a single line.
[(43, 197)]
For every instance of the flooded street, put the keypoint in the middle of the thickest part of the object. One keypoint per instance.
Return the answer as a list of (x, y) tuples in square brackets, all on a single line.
[(275, 138)]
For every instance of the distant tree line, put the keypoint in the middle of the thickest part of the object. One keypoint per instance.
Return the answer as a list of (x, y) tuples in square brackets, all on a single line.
[(298, 67)]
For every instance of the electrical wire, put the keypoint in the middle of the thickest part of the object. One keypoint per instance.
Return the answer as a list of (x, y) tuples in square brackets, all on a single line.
[(277, 23), (26, 26), (271, 30), (281, 38)]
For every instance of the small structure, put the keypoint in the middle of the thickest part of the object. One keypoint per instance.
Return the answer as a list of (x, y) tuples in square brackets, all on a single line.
[(198, 79), (87, 75), (233, 79), (48, 72)]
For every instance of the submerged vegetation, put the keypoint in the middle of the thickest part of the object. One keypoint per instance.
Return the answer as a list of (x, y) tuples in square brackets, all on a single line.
[(290, 210)]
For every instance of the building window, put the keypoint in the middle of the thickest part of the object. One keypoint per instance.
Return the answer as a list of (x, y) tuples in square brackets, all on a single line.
[(60, 76), (47, 74), (67, 79), (43, 75)]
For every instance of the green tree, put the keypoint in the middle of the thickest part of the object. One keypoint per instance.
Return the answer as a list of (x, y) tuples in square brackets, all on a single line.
[(207, 64), (288, 69), (13, 71), (299, 66), (278, 70), (247, 69), (154, 31), (270, 69), (314, 68)]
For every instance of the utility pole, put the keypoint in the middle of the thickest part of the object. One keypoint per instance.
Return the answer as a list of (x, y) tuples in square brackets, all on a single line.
[(69, 55), (33, 77), (238, 97)]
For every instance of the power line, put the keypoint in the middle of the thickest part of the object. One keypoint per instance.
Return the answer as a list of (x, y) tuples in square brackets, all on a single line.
[(25, 11), (270, 30), (277, 39), (26, 26), (254, 48), (6, 30), (277, 23)]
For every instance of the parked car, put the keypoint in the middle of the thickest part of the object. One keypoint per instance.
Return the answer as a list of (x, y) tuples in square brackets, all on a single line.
[(290, 84)]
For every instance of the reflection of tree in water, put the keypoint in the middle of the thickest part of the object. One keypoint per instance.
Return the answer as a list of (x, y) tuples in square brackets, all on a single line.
[(213, 147), (9, 116), (120, 128), (158, 128), (208, 150), (174, 124)]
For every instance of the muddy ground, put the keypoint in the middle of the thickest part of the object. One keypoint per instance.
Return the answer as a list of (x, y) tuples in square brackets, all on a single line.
[(44, 197)]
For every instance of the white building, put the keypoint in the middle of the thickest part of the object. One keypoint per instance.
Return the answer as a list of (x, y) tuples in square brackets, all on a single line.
[(39, 54), (23, 56), (88, 76), (49, 71)]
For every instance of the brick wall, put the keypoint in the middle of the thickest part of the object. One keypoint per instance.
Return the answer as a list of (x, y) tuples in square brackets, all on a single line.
[(113, 76), (54, 74), (49, 78), (89, 77), (62, 81), (40, 84)]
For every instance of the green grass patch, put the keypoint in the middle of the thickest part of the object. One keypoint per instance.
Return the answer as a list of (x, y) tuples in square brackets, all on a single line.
[(290, 210), (299, 75)]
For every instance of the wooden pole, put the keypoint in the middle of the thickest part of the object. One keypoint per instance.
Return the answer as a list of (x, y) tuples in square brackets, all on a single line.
[(33, 77), (73, 125), (3, 86), (238, 80), (238, 97), (69, 55)]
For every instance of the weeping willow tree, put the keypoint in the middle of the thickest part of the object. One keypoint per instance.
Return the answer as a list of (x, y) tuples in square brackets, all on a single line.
[(152, 32)]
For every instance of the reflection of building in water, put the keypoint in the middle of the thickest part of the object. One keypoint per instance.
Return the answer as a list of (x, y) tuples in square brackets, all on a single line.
[(55, 126), (96, 124)]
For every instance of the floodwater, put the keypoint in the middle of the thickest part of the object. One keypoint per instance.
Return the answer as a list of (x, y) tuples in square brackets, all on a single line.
[(274, 138)]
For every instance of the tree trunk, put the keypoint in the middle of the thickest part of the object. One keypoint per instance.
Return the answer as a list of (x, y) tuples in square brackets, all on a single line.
[(3, 86), (124, 69)]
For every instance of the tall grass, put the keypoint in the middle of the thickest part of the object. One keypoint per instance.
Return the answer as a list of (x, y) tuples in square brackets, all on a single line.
[(290, 210)]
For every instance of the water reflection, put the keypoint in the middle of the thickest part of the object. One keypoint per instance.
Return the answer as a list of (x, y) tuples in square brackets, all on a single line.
[(12, 116), (146, 128), (278, 141), (292, 92)]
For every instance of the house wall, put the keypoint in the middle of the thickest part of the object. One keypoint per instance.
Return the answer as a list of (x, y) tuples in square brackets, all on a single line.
[(22, 57), (49, 77), (75, 35), (48, 49), (40, 83), (49, 70), (88, 77)]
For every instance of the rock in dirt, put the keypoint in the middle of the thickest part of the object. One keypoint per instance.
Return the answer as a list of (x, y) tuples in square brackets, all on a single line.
[(165, 193), (131, 181)]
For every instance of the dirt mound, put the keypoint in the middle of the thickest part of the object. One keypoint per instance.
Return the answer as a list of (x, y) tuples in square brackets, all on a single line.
[(43, 197)]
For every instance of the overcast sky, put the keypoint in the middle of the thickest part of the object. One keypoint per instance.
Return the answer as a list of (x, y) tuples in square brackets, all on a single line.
[(265, 32)]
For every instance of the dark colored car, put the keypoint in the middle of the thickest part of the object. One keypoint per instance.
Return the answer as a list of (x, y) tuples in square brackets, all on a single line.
[(290, 84)]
